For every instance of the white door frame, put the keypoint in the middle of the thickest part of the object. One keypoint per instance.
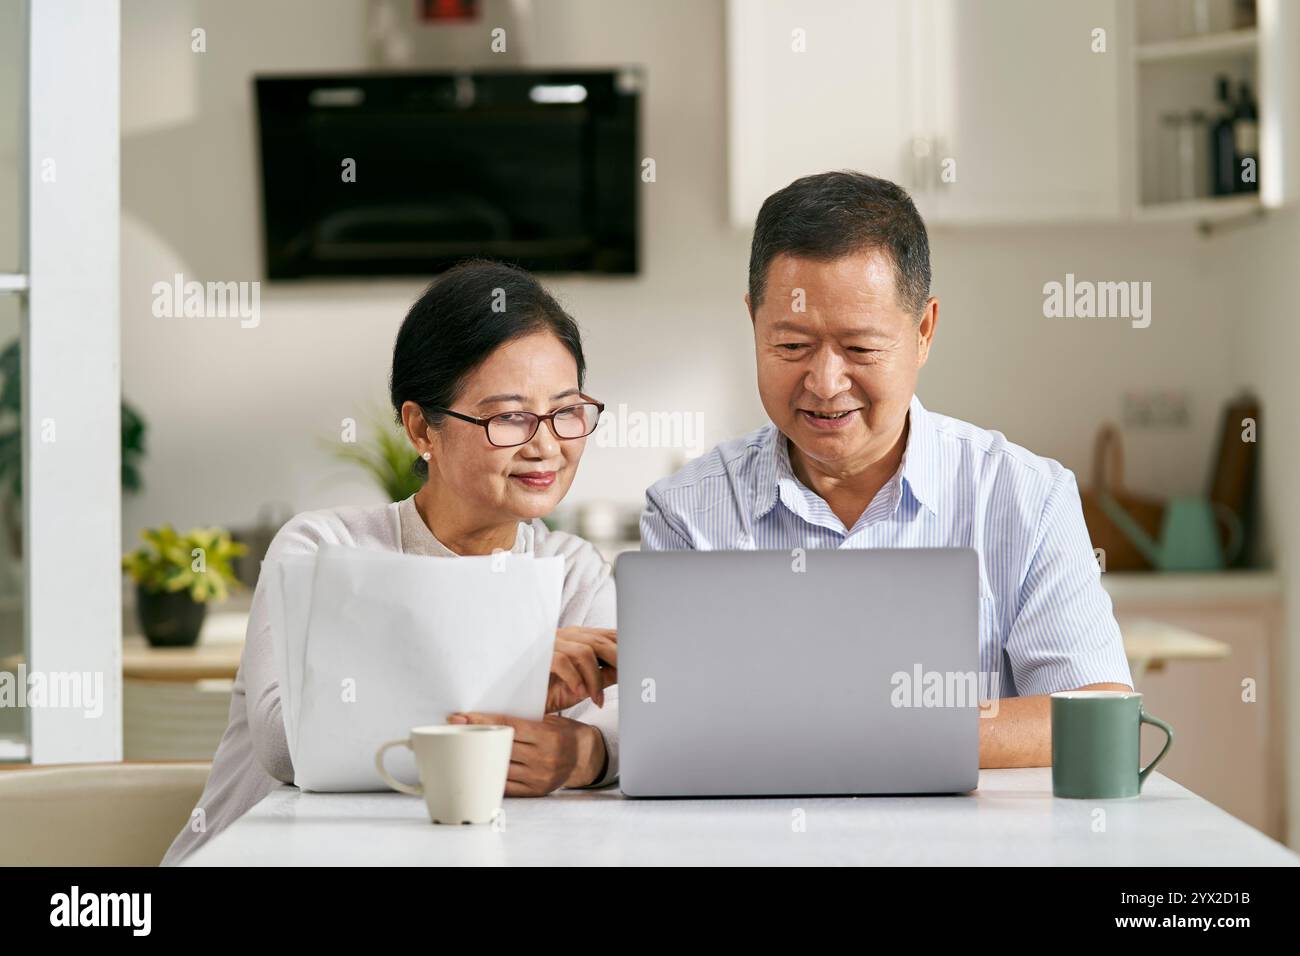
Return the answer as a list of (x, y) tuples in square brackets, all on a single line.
[(70, 333)]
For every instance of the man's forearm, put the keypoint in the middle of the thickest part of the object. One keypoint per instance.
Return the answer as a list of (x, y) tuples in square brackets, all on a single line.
[(1021, 733), (1019, 736)]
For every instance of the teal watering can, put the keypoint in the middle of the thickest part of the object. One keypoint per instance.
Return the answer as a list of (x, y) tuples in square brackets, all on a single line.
[(1189, 537)]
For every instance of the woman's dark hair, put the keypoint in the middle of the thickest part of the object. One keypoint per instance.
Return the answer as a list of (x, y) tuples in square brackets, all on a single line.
[(464, 316)]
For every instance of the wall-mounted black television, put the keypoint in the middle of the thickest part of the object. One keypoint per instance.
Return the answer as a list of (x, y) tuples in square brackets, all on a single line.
[(408, 173)]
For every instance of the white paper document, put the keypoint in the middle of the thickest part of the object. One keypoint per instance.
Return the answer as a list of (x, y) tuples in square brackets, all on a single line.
[(372, 643)]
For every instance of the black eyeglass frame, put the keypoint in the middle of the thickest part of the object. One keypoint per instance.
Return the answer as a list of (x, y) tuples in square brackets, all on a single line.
[(549, 418)]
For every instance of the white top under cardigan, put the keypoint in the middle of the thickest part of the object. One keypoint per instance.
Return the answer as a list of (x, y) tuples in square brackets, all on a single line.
[(253, 756)]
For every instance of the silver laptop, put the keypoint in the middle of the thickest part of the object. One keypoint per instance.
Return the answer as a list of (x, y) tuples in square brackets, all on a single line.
[(746, 673)]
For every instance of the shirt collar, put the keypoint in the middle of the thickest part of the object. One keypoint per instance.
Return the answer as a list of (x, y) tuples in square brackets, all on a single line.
[(416, 538), (921, 458), (918, 467)]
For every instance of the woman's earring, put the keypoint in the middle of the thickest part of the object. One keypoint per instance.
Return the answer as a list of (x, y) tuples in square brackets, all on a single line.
[(426, 456)]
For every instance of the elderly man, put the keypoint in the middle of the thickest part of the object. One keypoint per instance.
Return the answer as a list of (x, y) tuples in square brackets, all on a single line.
[(843, 320)]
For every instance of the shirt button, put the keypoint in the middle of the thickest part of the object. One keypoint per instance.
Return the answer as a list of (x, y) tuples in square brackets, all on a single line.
[(745, 542)]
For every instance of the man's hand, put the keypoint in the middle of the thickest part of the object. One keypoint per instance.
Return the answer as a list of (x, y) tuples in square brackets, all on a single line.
[(547, 754), (575, 671)]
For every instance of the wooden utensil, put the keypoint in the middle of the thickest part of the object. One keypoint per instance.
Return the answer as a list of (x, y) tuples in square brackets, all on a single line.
[(1107, 477)]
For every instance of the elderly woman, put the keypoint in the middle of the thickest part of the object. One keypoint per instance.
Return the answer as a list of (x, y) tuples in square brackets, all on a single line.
[(487, 380)]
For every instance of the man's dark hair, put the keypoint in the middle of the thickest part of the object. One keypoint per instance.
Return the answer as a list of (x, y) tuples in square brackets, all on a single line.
[(465, 315), (830, 215)]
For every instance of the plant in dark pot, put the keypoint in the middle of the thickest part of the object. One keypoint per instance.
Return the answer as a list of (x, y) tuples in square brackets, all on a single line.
[(176, 576)]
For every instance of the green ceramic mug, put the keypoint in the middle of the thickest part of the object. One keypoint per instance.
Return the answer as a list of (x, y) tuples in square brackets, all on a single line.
[(1096, 738)]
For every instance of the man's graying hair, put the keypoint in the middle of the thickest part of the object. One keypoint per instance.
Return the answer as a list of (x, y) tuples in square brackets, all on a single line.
[(831, 215)]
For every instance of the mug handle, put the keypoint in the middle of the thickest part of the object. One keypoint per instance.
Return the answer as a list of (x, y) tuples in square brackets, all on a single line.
[(1145, 718), (396, 784)]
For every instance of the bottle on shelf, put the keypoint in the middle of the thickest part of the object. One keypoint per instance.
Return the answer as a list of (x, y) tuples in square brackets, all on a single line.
[(1245, 139), (1223, 153), (1194, 155), (1243, 14)]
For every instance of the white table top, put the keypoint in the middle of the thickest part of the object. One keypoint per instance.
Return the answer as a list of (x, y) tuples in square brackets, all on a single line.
[(1011, 819)]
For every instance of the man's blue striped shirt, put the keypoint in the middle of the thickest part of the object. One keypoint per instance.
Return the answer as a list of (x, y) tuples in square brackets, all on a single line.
[(1046, 623)]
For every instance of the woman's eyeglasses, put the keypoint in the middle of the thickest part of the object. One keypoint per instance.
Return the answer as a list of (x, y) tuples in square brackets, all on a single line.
[(508, 429)]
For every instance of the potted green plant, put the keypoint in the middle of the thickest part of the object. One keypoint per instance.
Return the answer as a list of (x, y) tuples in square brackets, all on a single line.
[(176, 576), (386, 458)]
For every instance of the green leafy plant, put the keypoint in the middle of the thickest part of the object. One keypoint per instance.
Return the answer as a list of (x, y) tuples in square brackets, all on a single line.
[(387, 458), (197, 561)]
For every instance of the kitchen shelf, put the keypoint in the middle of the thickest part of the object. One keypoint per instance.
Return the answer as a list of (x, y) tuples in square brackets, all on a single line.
[(1180, 77), (1193, 588), (1207, 45), (1209, 209)]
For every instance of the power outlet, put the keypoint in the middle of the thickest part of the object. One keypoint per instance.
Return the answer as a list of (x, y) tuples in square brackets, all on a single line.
[(1156, 409)]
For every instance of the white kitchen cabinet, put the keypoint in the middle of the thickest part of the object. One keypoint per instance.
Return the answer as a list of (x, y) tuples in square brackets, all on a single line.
[(1005, 95), (1172, 72), (1026, 109), (812, 87), (1012, 111)]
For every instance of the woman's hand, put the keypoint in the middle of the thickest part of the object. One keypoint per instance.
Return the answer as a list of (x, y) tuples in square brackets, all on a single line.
[(547, 754), (575, 672)]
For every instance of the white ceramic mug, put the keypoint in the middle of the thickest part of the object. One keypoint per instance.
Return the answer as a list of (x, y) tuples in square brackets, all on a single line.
[(462, 769)]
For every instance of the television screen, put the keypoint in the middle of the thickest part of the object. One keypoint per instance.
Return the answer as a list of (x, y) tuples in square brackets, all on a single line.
[(407, 174)]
